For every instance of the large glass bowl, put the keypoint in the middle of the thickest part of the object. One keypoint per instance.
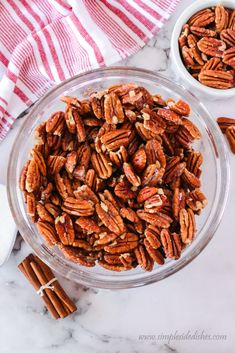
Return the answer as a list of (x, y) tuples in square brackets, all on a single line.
[(215, 176)]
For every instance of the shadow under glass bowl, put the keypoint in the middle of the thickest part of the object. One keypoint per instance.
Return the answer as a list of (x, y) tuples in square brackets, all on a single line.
[(215, 176)]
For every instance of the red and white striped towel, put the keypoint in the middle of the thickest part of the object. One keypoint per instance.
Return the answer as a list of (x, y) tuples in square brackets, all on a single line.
[(43, 42)]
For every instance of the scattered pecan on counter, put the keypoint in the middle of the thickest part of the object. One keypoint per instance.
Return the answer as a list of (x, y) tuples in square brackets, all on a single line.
[(115, 180), (227, 126), (207, 45)]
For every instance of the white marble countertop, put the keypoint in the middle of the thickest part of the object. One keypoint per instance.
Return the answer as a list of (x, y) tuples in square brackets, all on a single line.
[(200, 299)]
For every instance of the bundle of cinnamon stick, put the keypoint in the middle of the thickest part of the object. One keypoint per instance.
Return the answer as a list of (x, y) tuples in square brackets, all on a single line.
[(43, 280)]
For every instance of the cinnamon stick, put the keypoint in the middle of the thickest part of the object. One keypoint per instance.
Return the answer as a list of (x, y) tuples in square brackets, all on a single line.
[(26, 269), (50, 293), (57, 287), (55, 298)]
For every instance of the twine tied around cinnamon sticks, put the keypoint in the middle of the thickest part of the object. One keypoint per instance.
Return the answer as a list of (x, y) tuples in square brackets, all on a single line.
[(41, 277), (48, 285)]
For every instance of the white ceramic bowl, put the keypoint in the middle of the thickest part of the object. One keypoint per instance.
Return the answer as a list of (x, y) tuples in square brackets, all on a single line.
[(177, 62)]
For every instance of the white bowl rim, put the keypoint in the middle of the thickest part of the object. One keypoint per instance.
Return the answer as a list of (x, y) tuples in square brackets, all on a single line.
[(175, 54)]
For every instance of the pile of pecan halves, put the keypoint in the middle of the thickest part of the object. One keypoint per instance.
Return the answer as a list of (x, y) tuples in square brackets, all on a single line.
[(114, 179), (207, 45)]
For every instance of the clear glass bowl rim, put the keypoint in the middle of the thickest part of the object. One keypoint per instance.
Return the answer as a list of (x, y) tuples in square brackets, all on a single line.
[(100, 281)]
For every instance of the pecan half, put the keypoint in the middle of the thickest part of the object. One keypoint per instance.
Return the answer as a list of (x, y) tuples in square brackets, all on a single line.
[(124, 191), (92, 122), (137, 97), (174, 169), (187, 225), (110, 217), (127, 260), (155, 254), (97, 102), (191, 179), (152, 234), (178, 202), (60, 186), (108, 196), (39, 159), (71, 162), (125, 243), (119, 157), (88, 224), (32, 180), (75, 102), (55, 164), (195, 52), (68, 142), (43, 214), (187, 56), (113, 140), (139, 160), (211, 46), (171, 244), (46, 192), (152, 174), (84, 156), (105, 238), (69, 120), (143, 258), (224, 123), (196, 200), (202, 32), (40, 134), (231, 23), (78, 207), (144, 133), (82, 244), (191, 129), (52, 209), (191, 40), (84, 192), (213, 64), (170, 116), (229, 57), (183, 36), (230, 134), (157, 219), (112, 267), (221, 18), (202, 18), (75, 255), (55, 124), (64, 229), (152, 121), (180, 107), (129, 214), (80, 129), (216, 79), (228, 36), (154, 203), (113, 111), (101, 165), (48, 232), (146, 193), (154, 153), (130, 174), (23, 175), (31, 206), (194, 162)]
